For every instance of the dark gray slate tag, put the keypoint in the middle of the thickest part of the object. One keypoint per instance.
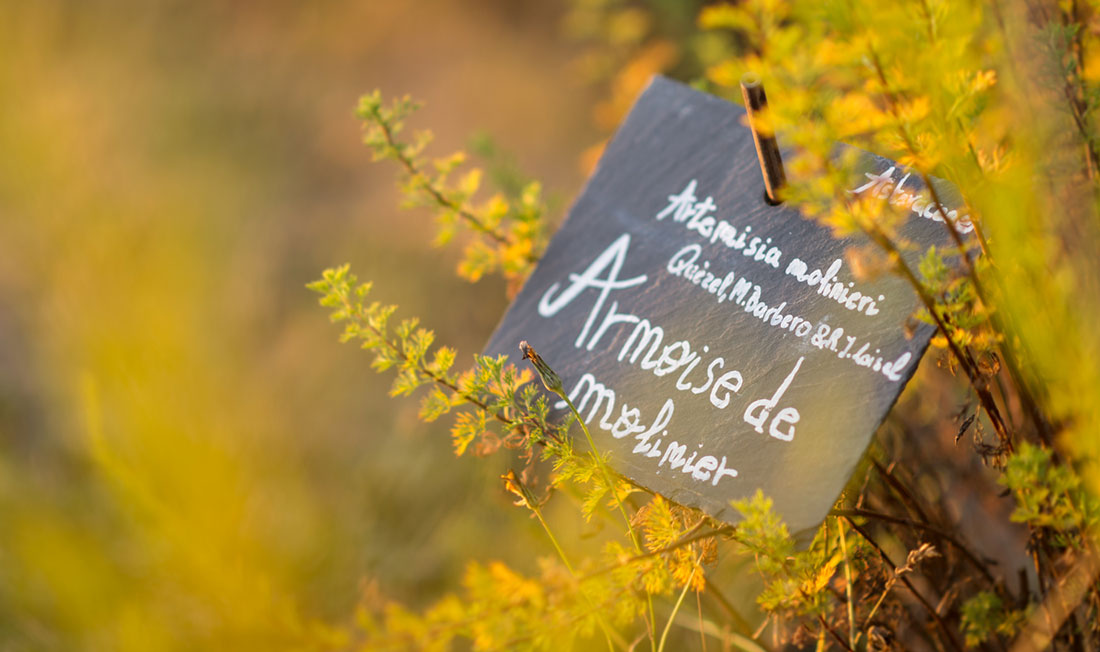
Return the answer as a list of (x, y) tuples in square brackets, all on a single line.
[(714, 344)]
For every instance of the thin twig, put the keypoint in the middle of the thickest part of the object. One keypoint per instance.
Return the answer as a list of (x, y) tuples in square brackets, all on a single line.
[(532, 504), (901, 490), (848, 588), (676, 607), (436, 194), (1007, 355), (973, 375), (739, 621), (946, 536), (948, 635), (835, 634)]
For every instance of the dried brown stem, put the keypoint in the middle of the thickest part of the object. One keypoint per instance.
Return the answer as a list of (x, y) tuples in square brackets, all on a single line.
[(972, 373), (988, 402), (946, 536), (835, 634), (947, 633)]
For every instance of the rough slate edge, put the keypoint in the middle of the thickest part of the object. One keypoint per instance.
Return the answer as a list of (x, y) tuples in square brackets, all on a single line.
[(869, 162), (672, 87)]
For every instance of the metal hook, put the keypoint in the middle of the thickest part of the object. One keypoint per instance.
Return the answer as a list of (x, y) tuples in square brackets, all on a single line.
[(771, 163)]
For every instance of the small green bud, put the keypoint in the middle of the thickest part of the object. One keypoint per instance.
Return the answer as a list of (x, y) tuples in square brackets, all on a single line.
[(549, 378)]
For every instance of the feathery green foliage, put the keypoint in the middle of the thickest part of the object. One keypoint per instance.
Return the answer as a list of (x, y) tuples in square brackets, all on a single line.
[(1000, 101), (508, 234)]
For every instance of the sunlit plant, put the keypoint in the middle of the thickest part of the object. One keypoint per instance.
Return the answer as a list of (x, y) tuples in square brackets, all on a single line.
[(995, 98)]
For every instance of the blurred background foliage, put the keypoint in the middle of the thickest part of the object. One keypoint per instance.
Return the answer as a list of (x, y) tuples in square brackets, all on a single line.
[(188, 459)]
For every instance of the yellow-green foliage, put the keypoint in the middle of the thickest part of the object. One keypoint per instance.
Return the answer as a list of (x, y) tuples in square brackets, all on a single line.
[(998, 99), (1050, 495), (984, 616), (995, 98), (508, 235), (499, 607)]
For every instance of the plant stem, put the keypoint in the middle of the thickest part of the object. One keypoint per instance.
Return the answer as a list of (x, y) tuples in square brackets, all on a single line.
[(607, 477), (848, 587), (532, 505), (901, 490), (435, 193), (946, 536), (972, 373), (609, 481), (438, 378), (834, 633), (948, 635), (676, 607), (739, 621)]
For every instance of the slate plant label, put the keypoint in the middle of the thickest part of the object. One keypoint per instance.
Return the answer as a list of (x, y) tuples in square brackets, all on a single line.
[(715, 344)]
